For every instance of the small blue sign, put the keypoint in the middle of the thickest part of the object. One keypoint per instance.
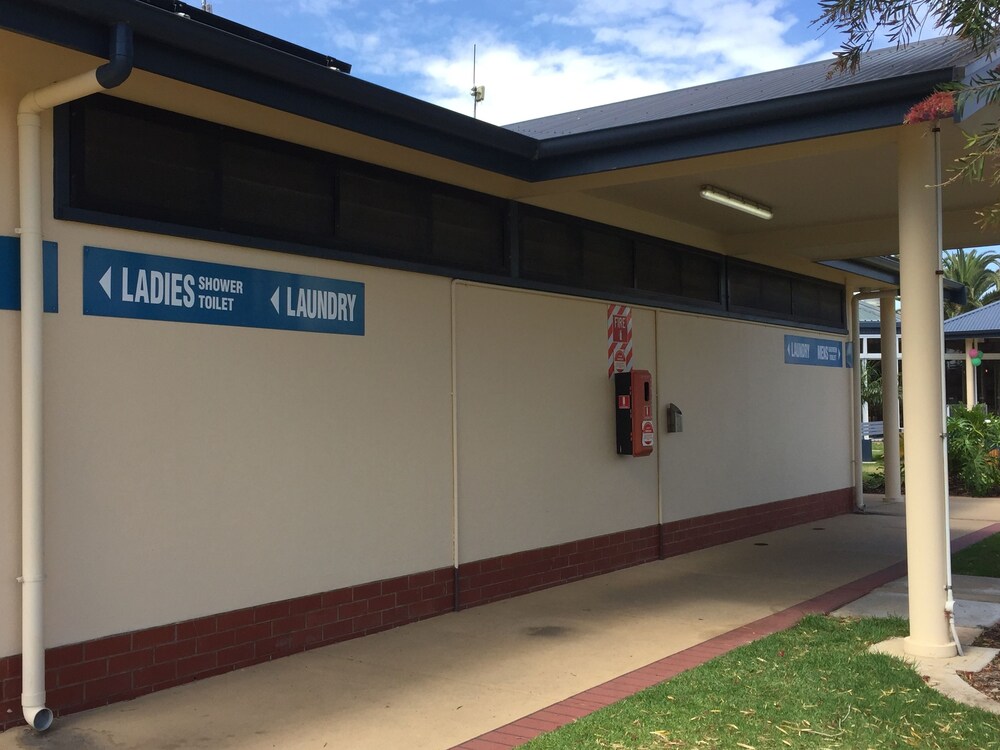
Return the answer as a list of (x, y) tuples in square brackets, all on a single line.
[(10, 275), (801, 350), (122, 284)]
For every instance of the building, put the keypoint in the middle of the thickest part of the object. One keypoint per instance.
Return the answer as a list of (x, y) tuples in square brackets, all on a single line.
[(320, 359), (964, 383), (967, 384)]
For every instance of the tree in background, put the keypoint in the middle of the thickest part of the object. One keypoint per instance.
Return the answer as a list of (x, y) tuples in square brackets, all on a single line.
[(977, 271), (871, 387), (977, 21)]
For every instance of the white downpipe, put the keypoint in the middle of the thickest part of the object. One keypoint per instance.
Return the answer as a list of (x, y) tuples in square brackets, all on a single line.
[(949, 604), (32, 645), (29, 128)]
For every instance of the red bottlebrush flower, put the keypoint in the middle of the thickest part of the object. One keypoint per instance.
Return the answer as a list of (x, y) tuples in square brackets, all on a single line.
[(934, 107)]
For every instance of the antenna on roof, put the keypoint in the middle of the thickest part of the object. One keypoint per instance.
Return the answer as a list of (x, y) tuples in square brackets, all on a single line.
[(478, 92), (206, 6)]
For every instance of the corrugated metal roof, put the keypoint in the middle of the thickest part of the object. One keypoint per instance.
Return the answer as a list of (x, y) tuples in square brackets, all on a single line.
[(877, 65), (868, 310), (869, 320), (983, 321)]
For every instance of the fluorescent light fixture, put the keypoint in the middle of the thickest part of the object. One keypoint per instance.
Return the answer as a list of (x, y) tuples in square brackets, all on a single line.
[(736, 201)]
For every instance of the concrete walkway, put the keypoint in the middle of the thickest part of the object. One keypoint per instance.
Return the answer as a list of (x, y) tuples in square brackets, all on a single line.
[(489, 677)]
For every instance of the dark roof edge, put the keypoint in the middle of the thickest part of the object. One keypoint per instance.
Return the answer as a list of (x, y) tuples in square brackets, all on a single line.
[(989, 333), (206, 55), (917, 85), (860, 267), (246, 32), (886, 270), (72, 24)]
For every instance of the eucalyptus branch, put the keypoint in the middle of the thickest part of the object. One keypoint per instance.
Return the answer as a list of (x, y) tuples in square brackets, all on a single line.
[(976, 21), (862, 20)]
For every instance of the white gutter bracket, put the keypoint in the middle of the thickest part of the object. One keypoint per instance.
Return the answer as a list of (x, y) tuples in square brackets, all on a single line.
[(29, 129)]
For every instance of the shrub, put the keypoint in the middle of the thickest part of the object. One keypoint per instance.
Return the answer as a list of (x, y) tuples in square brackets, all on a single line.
[(873, 481), (974, 450)]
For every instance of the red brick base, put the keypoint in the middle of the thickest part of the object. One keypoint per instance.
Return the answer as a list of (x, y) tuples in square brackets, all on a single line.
[(119, 667), (94, 673), (690, 534), (518, 573)]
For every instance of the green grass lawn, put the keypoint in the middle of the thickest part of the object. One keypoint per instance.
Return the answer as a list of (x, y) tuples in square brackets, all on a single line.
[(812, 686), (981, 559)]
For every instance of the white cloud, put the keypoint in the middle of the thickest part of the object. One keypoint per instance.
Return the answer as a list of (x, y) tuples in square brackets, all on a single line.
[(585, 53), (635, 48), (521, 86), (323, 7)]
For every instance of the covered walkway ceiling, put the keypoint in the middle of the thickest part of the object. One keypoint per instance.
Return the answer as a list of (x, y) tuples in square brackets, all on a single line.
[(833, 198), (819, 149)]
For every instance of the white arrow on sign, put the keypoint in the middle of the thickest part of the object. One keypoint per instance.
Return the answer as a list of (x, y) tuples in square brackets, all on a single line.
[(106, 282), (274, 299)]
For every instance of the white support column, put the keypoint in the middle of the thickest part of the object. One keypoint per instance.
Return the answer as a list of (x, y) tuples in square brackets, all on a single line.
[(971, 397), (890, 398), (923, 385)]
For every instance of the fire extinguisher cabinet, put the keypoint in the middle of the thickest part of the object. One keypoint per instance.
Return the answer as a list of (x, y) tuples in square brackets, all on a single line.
[(634, 431)]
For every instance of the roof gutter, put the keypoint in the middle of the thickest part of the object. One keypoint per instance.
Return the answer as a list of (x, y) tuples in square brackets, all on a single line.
[(749, 125), (261, 70), (180, 46), (886, 270), (29, 129), (988, 333)]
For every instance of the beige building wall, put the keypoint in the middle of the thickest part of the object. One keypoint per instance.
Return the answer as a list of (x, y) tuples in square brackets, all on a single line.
[(536, 432), (193, 469), (10, 482), (756, 430)]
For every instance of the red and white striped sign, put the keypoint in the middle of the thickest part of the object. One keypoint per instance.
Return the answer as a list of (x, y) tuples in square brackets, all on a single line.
[(619, 339)]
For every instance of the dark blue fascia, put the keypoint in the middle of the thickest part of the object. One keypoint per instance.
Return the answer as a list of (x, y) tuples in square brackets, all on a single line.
[(862, 268), (409, 129), (887, 271), (991, 333), (176, 47), (874, 328), (180, 48), (38, 21), (231, 27), (816, 115)]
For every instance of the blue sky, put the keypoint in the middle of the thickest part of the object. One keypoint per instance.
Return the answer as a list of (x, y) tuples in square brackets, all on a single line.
[(540, 57)]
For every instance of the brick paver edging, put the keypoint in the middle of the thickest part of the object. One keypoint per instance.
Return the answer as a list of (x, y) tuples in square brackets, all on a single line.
[(566, 711)]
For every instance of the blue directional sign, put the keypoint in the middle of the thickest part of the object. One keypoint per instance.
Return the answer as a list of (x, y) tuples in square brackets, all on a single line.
[(802, 350), (10, 275), (122, 284)]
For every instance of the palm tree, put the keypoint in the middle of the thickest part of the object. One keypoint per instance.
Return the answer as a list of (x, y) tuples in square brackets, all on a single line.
[(973, 269)]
